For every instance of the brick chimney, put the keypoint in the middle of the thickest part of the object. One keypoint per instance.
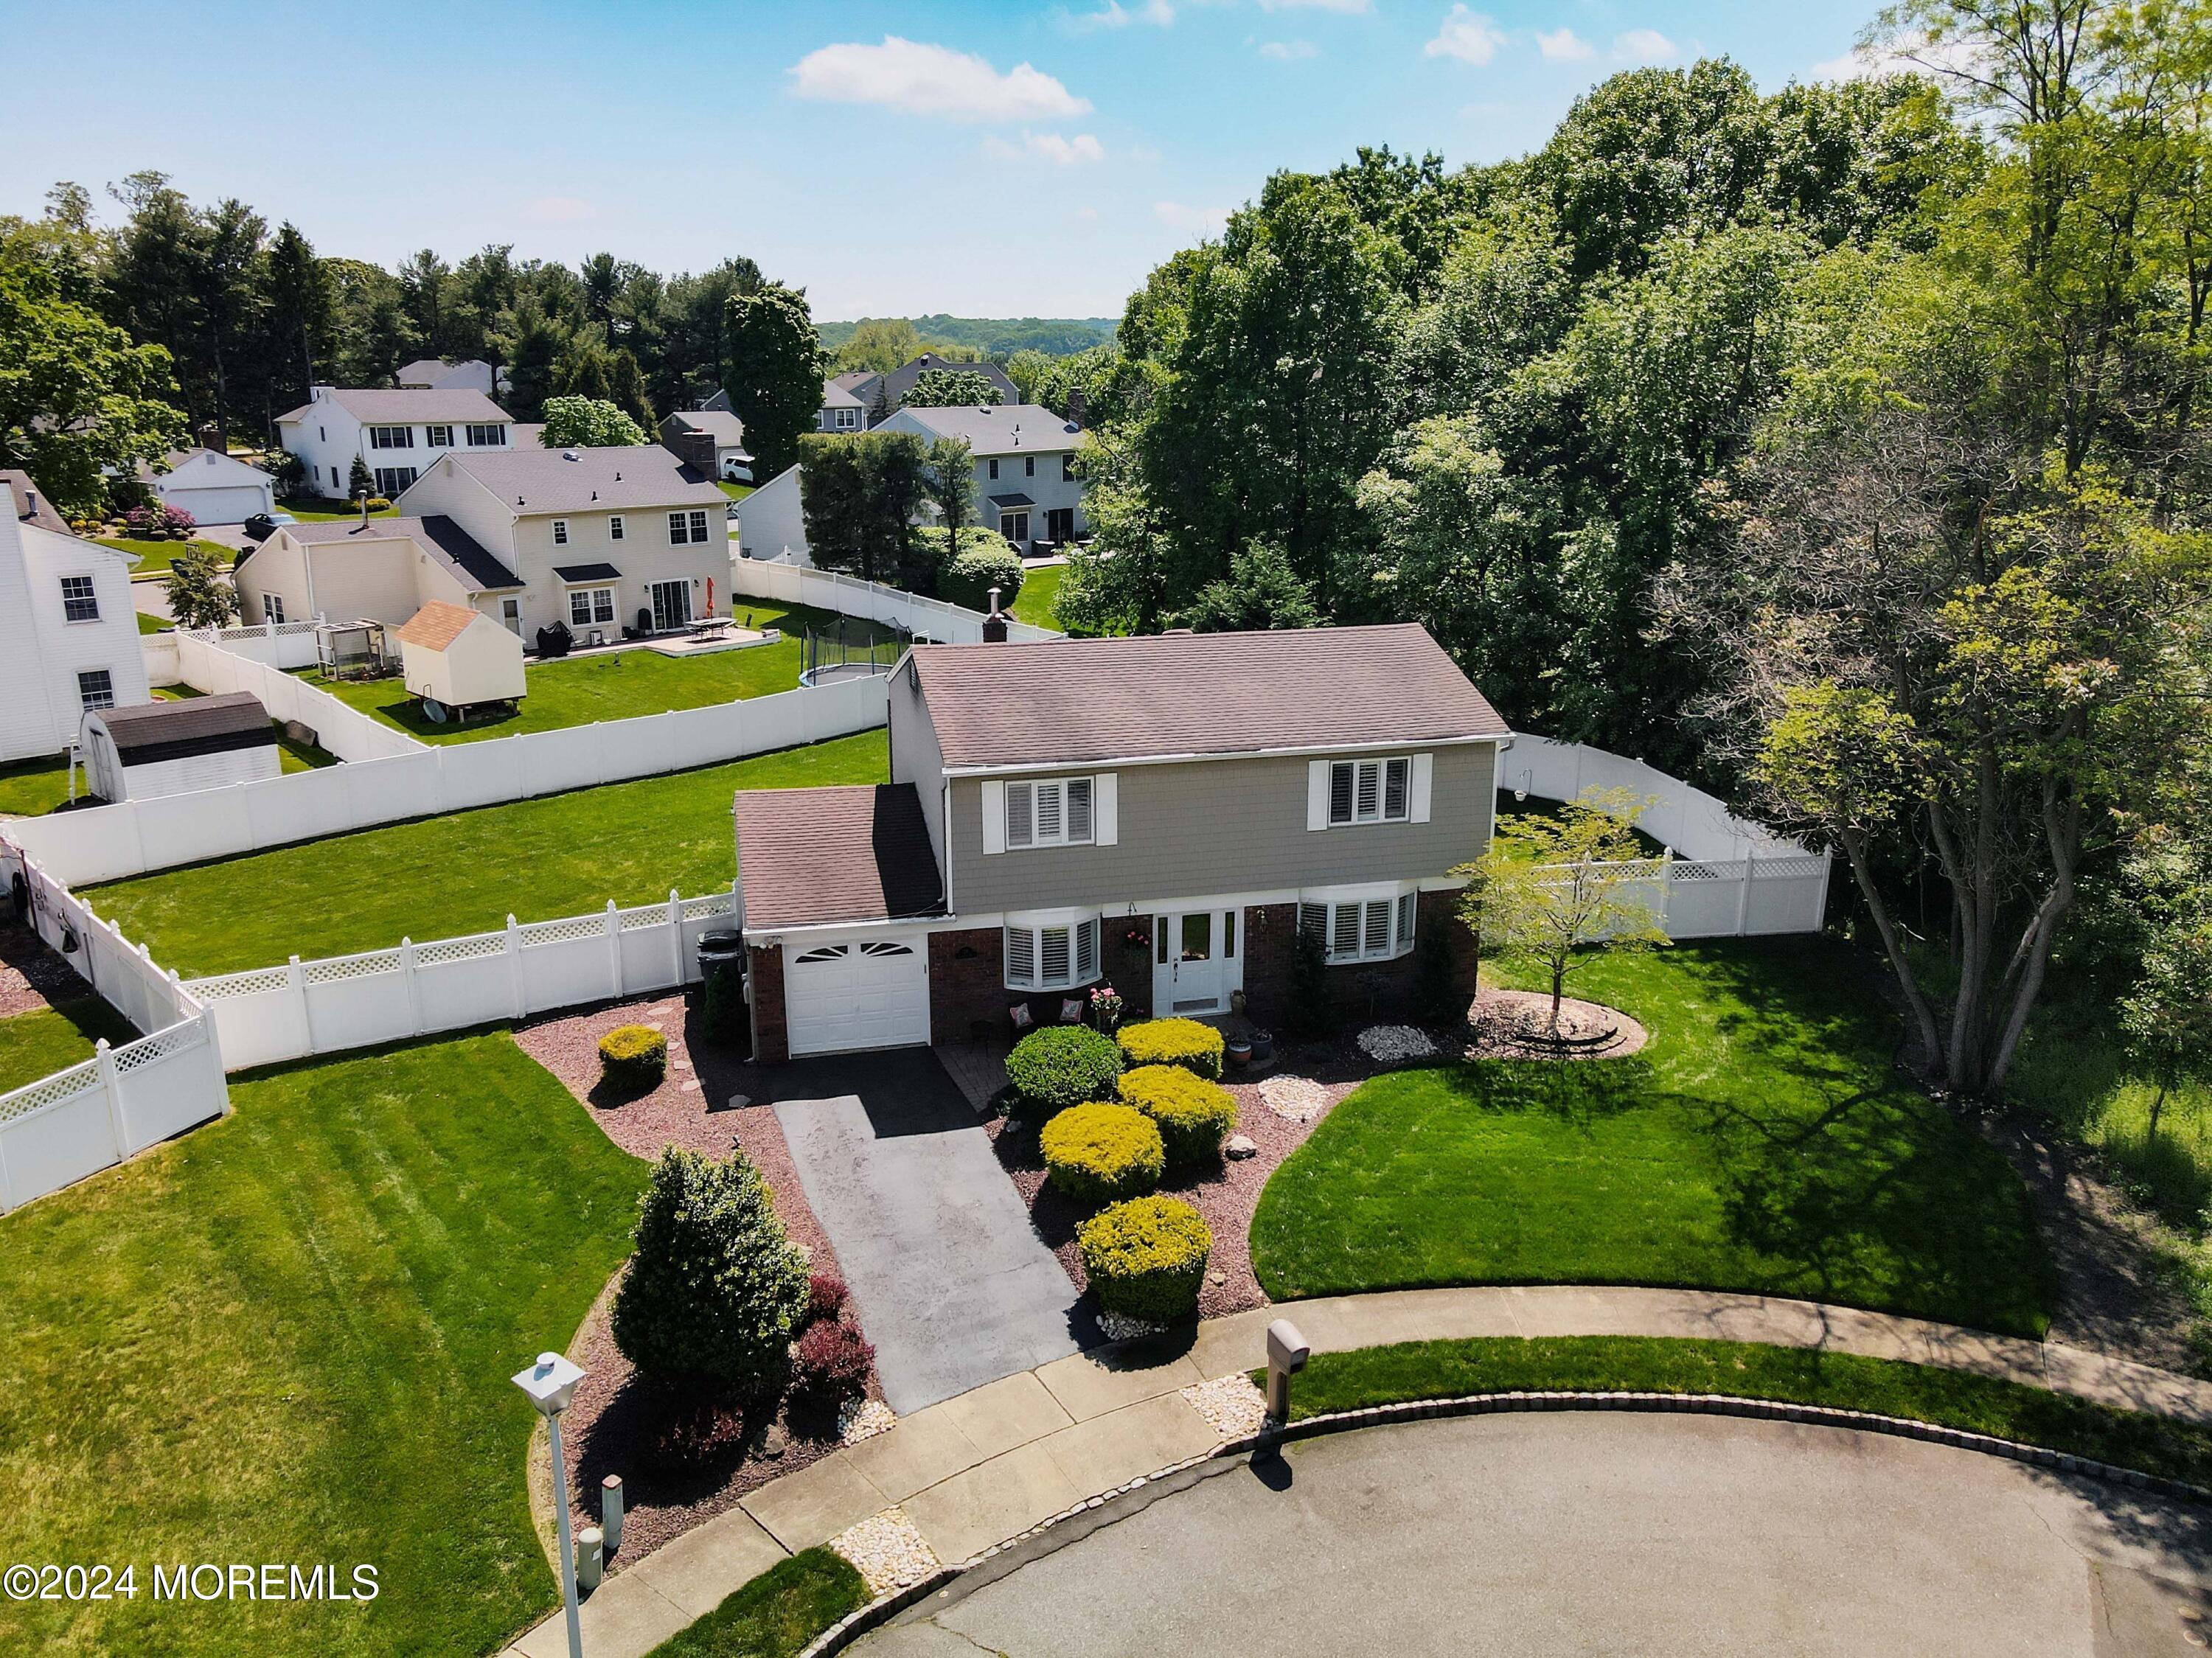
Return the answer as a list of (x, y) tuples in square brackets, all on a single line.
[(997, 625)]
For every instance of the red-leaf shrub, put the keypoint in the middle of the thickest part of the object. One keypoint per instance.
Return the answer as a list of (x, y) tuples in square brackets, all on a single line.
[(695, 1433), (825, 1296), (832, 1365)]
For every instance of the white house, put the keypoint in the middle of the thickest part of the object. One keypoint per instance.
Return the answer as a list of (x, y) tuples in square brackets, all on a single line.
[(397, 434), (154, 748), (1026, 486), (436, 374), (383, 570), (214, 489), (69, 633), (455, 658), (771, 524)]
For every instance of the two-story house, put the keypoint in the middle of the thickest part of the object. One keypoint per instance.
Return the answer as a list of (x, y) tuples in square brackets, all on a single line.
[(855, 401), (1162, 813), (599, 539), (1026, 484), (68, 632), (397, 434)]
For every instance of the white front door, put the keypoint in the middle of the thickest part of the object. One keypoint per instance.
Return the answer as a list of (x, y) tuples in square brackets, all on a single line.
[(671, 605), (1195, 961), (841, 997)]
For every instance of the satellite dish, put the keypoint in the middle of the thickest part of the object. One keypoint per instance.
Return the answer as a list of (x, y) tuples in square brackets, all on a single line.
[(434, 711)]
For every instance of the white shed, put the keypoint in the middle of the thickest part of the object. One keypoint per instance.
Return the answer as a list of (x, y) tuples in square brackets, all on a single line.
[(454, 657), (154, 748), (214, 488)]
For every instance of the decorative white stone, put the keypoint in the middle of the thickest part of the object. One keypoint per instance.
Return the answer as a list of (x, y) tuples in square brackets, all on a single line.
[(1231, 1405), (863, 1418), (1296, 1099), (888, 1550), (1120, 1327), (1237, 1147)]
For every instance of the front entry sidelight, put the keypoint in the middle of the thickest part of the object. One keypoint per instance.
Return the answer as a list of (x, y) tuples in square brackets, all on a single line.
[(1196, 962)]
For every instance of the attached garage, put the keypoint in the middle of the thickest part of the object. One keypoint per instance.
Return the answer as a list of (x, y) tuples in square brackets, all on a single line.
[(831, 882), (842, 998)]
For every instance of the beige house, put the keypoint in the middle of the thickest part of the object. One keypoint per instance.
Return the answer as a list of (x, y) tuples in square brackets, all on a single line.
[(383, 570), (455, 658)]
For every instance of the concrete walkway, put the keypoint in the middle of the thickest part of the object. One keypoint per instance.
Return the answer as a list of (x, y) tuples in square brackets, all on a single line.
[(980, 1467)]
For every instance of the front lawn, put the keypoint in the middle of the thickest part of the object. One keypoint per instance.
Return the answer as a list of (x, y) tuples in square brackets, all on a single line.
[(154, 556), (561, 855), (154, 624), (1918, 1393), (46, 1040), (777, 1614), (578, 691), (286, 1337), (325, 509), (1759, 1142), (733, 490)]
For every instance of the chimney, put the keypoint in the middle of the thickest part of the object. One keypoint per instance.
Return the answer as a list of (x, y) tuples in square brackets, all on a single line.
[(995, 625), (209, 437), (1078, 408)]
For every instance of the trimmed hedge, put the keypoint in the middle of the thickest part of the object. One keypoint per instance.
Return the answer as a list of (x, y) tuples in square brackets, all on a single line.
[(1100, 1153), (1195, 1116), (1061, 1065), (1196, 1047), (634, 1058), (975, 570), (1146, 1258)]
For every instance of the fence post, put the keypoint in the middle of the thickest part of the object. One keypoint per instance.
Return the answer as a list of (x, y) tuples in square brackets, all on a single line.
[(296, 976), (407, 979), (104, 1057), (614, 947), (676, 934), (1743, 894), (514, 968), (212, 1036)]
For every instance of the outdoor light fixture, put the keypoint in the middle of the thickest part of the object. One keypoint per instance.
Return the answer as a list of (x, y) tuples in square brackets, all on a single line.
[(551, 1384)]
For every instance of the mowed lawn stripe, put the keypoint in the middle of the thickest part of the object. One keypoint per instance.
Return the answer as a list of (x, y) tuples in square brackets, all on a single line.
[(438, 878), (286, 1338)]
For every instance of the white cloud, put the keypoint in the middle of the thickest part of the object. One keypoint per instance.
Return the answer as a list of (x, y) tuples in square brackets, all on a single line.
[(1086, 212), (1644, 46), (560, 210), (1048, 146), (1284, 50), (1565, 46), (926, 80), (1899, 56), (1469, 36), (1347, 7), (1116, 16), (1201, 219)]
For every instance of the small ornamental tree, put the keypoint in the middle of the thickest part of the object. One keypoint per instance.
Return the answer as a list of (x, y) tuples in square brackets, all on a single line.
[(359, 481), (588, 423), (200, 593), (1550, 890), (949, 475), (715, 1290)]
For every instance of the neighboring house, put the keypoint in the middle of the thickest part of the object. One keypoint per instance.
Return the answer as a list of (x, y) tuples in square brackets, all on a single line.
[(155, 748), (214, 489), (68, 632), (712, 440), (383, 570), (841, 410), (772, 522), (1026, 486), (398, 434), (1163, 813), (436, 375), (720, 402)]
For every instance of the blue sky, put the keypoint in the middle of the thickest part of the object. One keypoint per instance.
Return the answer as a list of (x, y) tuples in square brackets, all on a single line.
[(984, 158)]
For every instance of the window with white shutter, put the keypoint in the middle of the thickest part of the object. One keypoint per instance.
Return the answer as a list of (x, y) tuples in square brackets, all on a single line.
[(1061, 813), (1078, 810), (1362, 929), (1053, 954), (1020, 815), (1056, 956), (1371, 790), (1021, 956), (1344, 933), (1086, 951), (1405, 920), (1374, 939)]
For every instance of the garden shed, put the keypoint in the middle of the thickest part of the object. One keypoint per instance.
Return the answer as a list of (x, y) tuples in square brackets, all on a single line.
[(154, 748), (455, 659)]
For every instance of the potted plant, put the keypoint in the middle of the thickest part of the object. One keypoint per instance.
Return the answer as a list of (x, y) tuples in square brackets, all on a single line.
[(1262, 1046), (1238, 1050), (1107, 1008)]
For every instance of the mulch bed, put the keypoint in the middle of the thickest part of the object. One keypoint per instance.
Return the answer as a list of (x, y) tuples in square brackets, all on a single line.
[(611, 1426), (1508, 1025), (32, 976)]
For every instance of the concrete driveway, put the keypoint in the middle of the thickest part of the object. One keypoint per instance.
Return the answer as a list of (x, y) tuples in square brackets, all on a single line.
[(1544, 1535), (952, 1283)]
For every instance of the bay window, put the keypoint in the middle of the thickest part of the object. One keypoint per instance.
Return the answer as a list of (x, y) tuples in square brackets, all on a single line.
[(1051, 951), (1371, 925)]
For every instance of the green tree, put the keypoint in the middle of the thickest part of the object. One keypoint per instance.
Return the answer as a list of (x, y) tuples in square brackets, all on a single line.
[(628, 389), (199, 591), (298, 304), (860, 495), (2165, 1016), (949, 475), (1262, 591), (1029, 370), (588, 423), (876, 346), (775, 383), (951, 388)]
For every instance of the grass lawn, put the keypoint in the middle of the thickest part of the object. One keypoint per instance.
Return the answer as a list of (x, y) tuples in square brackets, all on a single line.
[(292, 755), (286, 1337), (50, 1039), (561, 855), (156, 555), (154, 624), (1759, 1142), (323, 509), (1040, 593), (776, 1615), (734, 490), (32, 788), (1949, 1398), (610, 685)]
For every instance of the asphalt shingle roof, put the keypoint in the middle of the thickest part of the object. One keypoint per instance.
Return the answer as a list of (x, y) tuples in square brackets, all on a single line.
[(610, 479), (1074, 700), (445, 540), (1005, 429), (724, 427), (408, 405), (813, 857), (145, 724)]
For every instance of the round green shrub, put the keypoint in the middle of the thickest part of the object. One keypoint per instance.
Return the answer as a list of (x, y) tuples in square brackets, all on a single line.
[(975, 570), (1146, 1258), (1061, 1066), (1102, 1153), (1196, 1047), (1195, 1116), (633, 1058)]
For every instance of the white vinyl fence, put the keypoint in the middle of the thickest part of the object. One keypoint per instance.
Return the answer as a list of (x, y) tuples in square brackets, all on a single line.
[(1725, 876), (208, 663), (342, 1002), (272, 644), (82, 1120), (826, 590), (107, 843)]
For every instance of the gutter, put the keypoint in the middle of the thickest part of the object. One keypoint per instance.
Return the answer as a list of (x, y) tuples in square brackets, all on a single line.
[(1392, 745)]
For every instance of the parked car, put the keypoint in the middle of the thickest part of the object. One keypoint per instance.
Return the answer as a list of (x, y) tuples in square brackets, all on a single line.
[(262, 525)]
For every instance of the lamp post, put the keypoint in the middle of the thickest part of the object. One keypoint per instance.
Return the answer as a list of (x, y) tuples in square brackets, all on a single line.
[(551, 1383)]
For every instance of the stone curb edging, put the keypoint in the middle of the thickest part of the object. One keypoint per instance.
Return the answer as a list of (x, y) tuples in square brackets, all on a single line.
[(1136, 1495)]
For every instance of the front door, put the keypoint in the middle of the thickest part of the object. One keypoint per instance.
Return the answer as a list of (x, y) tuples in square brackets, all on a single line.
[(671, 605), (1195, 962)]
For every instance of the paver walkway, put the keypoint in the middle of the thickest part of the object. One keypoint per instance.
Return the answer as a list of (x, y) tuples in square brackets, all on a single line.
[(978, 1468), (952, 1283)]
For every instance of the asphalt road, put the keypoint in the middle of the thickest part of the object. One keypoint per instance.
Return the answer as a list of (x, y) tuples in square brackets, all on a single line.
[(952, 1283), (1540, 1535)]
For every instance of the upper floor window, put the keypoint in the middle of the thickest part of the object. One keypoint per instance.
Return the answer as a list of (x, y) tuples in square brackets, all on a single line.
[(1362, 929), (79, 602), (993, 464), (95, 688), (684, 527), (438, 437), (391, 480), (391, 437), (615, 528), (1067, 469), (1055, 814), (845, 420), (1029, 466), (1371, 790), (487, 437), (559, 533)]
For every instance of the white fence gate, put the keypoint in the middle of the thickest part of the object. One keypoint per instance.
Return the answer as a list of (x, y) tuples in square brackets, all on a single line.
[(1725, 876)]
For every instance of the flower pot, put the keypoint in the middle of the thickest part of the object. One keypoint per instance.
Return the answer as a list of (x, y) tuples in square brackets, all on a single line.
[(1261, 1046), (1238, 1050)]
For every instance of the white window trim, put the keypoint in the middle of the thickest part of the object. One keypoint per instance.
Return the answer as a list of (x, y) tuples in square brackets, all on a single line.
[(1329, 901), (91, 597), (591, 596), (1000, 809), (559, 533), (1321, 790), (1082, 927), (614, 527)]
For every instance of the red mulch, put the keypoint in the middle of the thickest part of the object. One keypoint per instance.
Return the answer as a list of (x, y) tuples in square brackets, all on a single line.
[(614, 1416)]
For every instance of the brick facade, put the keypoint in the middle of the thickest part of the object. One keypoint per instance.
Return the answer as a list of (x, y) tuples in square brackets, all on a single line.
[(967, 988), (764, 977), (1363, 992)]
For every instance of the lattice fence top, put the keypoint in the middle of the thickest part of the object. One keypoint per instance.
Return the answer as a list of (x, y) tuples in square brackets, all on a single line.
[(255, 981), (473, 949), (147, 1050), (1686, 871), (50, 1091), (563, 932), (720, 904), (337, 969), (1784, 869), (636, 920)]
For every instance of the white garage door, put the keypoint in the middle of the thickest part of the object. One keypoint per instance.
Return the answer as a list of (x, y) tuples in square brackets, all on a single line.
[(221, 506), (839, 997)]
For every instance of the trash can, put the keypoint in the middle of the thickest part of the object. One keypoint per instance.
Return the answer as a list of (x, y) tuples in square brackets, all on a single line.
[(722, 987)]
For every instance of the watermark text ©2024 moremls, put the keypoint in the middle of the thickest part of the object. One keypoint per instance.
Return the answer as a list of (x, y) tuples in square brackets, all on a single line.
[(191, 1581)]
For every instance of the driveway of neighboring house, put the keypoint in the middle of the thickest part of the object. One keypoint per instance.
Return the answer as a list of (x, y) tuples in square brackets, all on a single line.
[(953, 1285)]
